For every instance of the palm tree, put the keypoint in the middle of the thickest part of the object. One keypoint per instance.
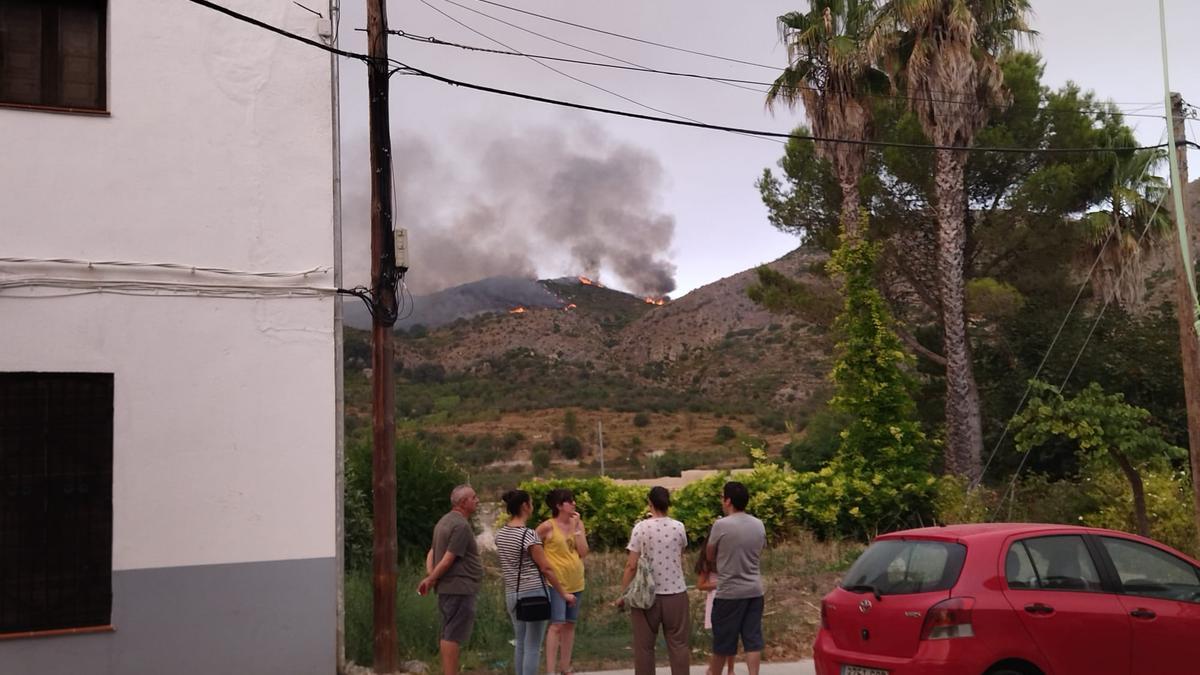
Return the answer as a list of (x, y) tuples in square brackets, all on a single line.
[(947, 53), (1133, 221), (833, 50)]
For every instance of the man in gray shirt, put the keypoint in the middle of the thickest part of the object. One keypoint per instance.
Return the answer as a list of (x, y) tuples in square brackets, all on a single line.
[(456, 575), (734, 547)]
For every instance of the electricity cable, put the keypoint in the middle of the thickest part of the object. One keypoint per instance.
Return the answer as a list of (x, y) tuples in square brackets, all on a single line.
[(575, 46), (629, 37), (771, 134), (758, 88), (684, 49), (407, 69), (556, 70), (279, 31)]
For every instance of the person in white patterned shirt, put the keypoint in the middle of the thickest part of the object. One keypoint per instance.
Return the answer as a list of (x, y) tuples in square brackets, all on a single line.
[(663, 539)]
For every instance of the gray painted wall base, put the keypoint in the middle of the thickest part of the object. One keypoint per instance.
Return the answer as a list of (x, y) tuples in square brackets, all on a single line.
[(262, 618)]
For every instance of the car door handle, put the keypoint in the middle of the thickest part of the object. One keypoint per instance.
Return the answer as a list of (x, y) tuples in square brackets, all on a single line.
[(1039, 608), (1142, 613)]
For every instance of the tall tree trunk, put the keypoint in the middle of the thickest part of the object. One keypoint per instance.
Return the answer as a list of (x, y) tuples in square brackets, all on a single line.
[(850, 199), (964, 428), (1139, 492)]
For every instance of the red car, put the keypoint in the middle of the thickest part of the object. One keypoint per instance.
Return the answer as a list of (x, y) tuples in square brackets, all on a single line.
[(1013, 599)]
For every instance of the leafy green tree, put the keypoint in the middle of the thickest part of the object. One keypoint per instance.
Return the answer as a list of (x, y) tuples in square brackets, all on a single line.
[(424, 479), (883, 455), (1103, 426), (833, 52)]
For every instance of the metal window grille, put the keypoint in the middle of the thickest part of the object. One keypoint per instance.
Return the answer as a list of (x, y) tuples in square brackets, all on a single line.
[(56, 457)]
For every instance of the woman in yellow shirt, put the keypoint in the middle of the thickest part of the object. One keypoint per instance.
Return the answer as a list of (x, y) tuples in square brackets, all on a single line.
[(565, 542)]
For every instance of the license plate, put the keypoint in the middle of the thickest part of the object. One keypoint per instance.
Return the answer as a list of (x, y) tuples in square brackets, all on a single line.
[(859, 670)]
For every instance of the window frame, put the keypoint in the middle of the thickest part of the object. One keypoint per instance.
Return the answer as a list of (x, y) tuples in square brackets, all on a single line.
[(51, 64)]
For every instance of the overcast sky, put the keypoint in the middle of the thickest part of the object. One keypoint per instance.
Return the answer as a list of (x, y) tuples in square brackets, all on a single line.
[(487, 183)]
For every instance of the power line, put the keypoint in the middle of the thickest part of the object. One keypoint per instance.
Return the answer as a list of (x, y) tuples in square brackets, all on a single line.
[(546, 65), (735, 82), (622, 66), (279, 31), (629, 37), (771, 134), (634, 67), (686, 50), (407, 69), (577, 47)]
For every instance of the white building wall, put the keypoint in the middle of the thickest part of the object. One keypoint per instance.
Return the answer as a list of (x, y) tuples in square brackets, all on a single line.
[(217, 153)]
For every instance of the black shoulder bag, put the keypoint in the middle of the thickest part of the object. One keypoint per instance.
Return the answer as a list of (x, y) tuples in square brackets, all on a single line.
[(532, 608)]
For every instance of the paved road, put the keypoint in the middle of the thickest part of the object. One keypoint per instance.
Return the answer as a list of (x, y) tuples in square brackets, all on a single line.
[(796, 668)]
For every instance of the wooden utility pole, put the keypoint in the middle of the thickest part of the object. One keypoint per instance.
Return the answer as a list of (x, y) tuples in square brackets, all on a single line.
[(384, 278), (1185, 306)]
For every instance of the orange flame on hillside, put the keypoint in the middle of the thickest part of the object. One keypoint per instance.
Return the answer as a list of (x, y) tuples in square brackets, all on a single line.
[(517, 310), (590, 282), (654, 301), (569, 307)]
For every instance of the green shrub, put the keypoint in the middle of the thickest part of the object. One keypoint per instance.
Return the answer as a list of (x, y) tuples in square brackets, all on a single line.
[(725, 433), (820, 441), (569, 446), (641, 420), (570, 423), (1168, 504), (424, 479), (670, 463), (511, 440), (541, 459)]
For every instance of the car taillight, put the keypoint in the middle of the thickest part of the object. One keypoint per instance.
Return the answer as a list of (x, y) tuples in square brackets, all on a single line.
[(949, 619), (824, 615)]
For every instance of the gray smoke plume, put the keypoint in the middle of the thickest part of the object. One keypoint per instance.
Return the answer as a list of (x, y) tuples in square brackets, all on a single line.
[(550, 200)]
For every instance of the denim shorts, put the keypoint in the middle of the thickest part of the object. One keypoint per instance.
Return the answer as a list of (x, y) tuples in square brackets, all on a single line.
[(560, 612)]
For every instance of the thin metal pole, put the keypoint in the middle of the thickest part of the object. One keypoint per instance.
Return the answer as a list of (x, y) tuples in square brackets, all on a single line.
[(600, 437), (339, 445)]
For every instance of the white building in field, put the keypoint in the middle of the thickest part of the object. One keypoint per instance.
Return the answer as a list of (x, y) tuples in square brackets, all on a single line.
[(168, 424)]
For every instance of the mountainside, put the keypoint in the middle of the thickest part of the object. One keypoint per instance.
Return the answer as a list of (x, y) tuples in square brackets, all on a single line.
[(713, 343)]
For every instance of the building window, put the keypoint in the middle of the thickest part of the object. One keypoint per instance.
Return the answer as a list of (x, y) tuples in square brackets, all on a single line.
[(56, 458), (52, 53)]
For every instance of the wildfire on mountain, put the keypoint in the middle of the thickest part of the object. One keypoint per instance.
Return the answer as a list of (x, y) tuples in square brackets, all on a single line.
[(517, 310), (590, 282), (569, 307), (654, 301)]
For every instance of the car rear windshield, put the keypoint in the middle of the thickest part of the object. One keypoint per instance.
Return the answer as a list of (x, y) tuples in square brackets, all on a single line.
[(902, 566)]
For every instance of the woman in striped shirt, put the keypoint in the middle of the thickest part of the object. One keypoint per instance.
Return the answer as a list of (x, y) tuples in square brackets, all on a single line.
[(526, 573)]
